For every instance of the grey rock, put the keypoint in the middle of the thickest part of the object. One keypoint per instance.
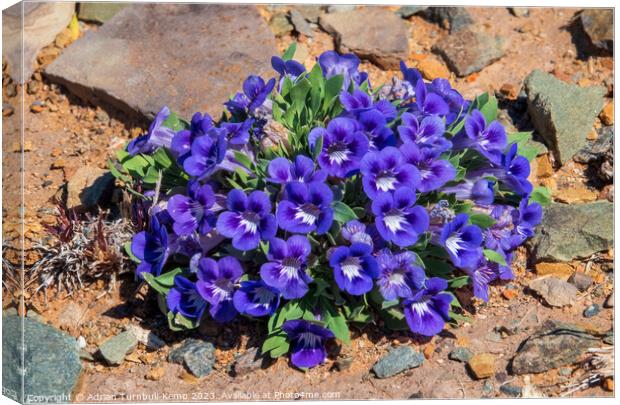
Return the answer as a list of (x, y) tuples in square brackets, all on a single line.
[(280, 25), (452, 18), (340, 8), (248, 362), (114, 350), (99, 12), (519, 11), (87, 356), (598, 24), (511, 390), (310, 13), (487, 387), (573, 231), (599, 154), (396, 361), (580, 280), (51, 361), (554, 291), (301, 25), (562, 113), (609, 338), (469, 51), (41, 23), (556, 344), (408, 11), (138, 66), (88, 188), (196, 355), (375, 34), (609, 301), (591, 311), (461, 354)]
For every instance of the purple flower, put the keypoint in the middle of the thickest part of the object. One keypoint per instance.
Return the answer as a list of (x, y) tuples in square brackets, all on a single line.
[(429, 103), (355, 232), (434, 172), (354, 268), (374, 125), (247, 220), (157, 136), (151, 247), (282, 171), (238, 133), (255, 298), (410, 75), (526, 218), (462, 242), (386, 170), (199, 126), (286, 266), (183, 298), (516, 172), (501, 236), (429, 308), (489, 140), (333, 64), (193, 212), (307, 341), (398, 219), (306, 207), (289, 68), (207, 152), (425, 134), (343, 146), (399, 275), (255, 92), (454, 99), (485, 273), (216, 284), (480, 191), (397, 90), (359, 101)]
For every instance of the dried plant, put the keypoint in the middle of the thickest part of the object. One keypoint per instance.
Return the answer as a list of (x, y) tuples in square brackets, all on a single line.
[(598, 366), (82, 250)]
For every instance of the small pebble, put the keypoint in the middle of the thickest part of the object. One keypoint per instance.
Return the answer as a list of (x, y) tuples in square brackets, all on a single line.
[(609, 302), (565, 371), (487, 387), (511, 390), (461, 354), (37, 106), (591, 311)]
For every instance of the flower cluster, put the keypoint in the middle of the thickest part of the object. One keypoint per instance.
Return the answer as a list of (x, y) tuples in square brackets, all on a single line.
[(370, 204)]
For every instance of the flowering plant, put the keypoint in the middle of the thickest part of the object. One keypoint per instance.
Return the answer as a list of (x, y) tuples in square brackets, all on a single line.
[(331, 203)]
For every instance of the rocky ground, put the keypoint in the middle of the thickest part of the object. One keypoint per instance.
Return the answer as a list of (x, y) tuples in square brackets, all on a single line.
[(552, 72)]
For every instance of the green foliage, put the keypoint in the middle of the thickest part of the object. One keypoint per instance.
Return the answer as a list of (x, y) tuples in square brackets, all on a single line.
[(541, 195)]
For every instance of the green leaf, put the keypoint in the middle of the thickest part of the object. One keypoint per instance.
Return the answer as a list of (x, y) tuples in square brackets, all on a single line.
[(179, 323), (458, 282), (437, 268), (334, 321), (167, 279), (127, 247), (279, 351), (243, 159), (343, 213), (494, 256), (389, 304), (274, 341), (541, 195), (163, 158), (318, 147), (173, 122), (489, 109), (482, 220), (290, 51)]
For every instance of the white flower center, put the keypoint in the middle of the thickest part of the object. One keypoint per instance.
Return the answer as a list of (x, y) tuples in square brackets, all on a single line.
[(454, 243), (421, 307), (307, 213), (351, 267), (290, 268), (394, 220), (386, 181), (337, 153), (308, 339), (250, 220), (262, 296)]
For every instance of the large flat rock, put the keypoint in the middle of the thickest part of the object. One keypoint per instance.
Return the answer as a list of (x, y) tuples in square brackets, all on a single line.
[(28, 27), (190, 57), (372, 33), (562, 113), (569, 232)]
